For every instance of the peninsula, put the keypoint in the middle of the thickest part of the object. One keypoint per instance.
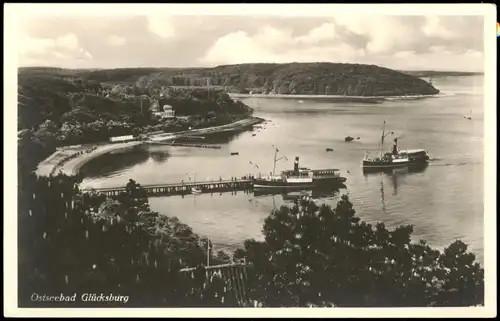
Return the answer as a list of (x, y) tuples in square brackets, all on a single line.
[(318, 78)]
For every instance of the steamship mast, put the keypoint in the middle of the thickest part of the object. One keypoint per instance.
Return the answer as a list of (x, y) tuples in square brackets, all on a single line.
[(276, 159)]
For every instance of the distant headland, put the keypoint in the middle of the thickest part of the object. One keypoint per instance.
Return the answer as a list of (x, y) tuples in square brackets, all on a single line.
[(440, 73), (270, 78)]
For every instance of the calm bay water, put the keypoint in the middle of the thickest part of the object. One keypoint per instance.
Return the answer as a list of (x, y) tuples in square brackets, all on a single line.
[(443, 202)]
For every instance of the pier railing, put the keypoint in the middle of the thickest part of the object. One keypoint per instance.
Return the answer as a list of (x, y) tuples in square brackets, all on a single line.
[(236, 184)]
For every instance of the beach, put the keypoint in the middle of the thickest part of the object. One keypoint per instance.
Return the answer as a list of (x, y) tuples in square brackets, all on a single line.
[(329, 97), (69, 159)]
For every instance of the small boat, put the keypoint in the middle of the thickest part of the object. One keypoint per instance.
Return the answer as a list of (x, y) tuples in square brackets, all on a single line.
[(357, 138), (292, 196), (196, 190), (395, 158), (349, 139), (254, 134), (329, 149), (234, 153), (469, 117)]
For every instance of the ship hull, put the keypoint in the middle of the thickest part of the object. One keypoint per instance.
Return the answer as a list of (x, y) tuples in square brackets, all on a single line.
[(415, 168), (265, 184), (280, 185), (383, 165)]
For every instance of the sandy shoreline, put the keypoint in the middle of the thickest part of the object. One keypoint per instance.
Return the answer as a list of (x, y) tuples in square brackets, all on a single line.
[(73, 166), (332, 97)]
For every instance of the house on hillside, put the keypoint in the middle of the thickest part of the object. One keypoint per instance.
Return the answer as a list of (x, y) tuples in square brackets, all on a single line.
[(167, 111)]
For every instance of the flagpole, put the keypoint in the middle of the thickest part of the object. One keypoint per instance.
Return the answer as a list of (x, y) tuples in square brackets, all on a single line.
[(275, 155), (208, 252)]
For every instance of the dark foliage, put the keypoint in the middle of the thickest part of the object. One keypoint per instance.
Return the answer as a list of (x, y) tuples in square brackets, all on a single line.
[(71, 242), (292, 78), (320, 256), (312, 256), (60, 107), (86, 110)]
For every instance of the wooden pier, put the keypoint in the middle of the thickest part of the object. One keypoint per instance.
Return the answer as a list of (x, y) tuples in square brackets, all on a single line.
[(237, 184)]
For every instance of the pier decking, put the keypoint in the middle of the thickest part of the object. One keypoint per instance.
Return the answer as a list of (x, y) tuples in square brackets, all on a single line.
[(237, 184)]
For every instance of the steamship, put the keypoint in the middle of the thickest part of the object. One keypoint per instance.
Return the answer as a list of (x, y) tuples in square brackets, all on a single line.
[(396, 157), (299, 178)]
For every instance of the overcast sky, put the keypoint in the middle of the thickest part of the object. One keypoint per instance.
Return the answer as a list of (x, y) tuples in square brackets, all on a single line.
[(399, 42)]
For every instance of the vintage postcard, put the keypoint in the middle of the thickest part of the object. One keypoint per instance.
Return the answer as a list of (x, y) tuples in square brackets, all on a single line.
[(229, 156)]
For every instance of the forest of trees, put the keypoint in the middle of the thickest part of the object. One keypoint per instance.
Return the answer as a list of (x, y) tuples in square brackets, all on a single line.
[(291, 78), (71, 242), (322, 256), (58, 108), (311, 256), (80, 103)]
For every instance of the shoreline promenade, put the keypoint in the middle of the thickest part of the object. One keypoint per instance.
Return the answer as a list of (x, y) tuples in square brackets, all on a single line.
[(70, 159)]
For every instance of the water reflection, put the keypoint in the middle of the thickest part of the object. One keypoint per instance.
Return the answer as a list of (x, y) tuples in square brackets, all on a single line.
[(400, 171), (117, 160), (214, 138), (328, 99), (158, 156), (382, 196), (290, 196), (396, 175)]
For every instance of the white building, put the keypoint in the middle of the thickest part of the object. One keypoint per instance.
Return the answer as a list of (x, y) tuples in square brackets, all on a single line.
[(168, 112), (121, 138)]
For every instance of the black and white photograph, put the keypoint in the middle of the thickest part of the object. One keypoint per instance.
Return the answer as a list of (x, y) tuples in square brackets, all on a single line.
[(250, 156)]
